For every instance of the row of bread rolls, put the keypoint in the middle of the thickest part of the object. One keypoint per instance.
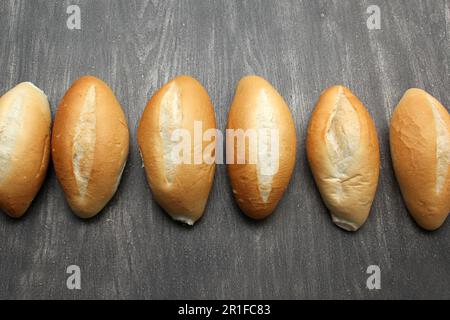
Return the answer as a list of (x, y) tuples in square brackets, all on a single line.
[(90, 146), (183, 189), (343, 153)]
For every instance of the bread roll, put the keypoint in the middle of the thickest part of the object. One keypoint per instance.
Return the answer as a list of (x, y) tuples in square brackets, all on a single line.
[(258, 185), (420, 149), (24, 146), (89, 145), (343, 152), (180, 187)]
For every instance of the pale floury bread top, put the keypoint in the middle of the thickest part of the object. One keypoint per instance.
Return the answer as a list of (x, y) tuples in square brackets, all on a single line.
[(89, 145), (24, 146), (343, 153), (420, 149), (180, 187)]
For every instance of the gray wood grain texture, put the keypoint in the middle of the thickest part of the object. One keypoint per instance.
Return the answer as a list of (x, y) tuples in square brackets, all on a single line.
[(134, 250)]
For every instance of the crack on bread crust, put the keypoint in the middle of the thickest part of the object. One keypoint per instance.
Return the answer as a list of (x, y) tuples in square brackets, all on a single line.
[(442, 147), (170, 119), (266, 122), (342, 139), (84, 142), (10, 128)]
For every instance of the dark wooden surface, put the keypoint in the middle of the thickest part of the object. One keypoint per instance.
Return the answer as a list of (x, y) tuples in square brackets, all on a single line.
[(132, 249)]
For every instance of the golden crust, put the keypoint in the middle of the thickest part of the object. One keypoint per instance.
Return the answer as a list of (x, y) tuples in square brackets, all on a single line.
[(109, 154), (244, 115), (413, 140), (185, 198), (347, 185), (28, 161)]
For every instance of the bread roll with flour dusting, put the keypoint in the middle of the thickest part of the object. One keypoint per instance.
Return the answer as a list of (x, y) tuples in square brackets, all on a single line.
[(260, 180), (89, 145), (343, 152), (420, 150), (180, 186), (24, 146)]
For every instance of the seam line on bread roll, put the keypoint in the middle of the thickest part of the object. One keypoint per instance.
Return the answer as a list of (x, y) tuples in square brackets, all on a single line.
[(84, 142), (170, 119), (10, 128), (442, 147), (266, 121)]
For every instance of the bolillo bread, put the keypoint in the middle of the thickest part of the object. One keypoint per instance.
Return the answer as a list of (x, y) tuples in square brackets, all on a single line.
[(259, 107), (180, 187), (343, 153), (24, 146), (89, 145), (420, 150)]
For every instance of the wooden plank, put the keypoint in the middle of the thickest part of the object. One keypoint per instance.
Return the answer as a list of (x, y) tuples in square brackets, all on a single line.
[(132, 249)]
